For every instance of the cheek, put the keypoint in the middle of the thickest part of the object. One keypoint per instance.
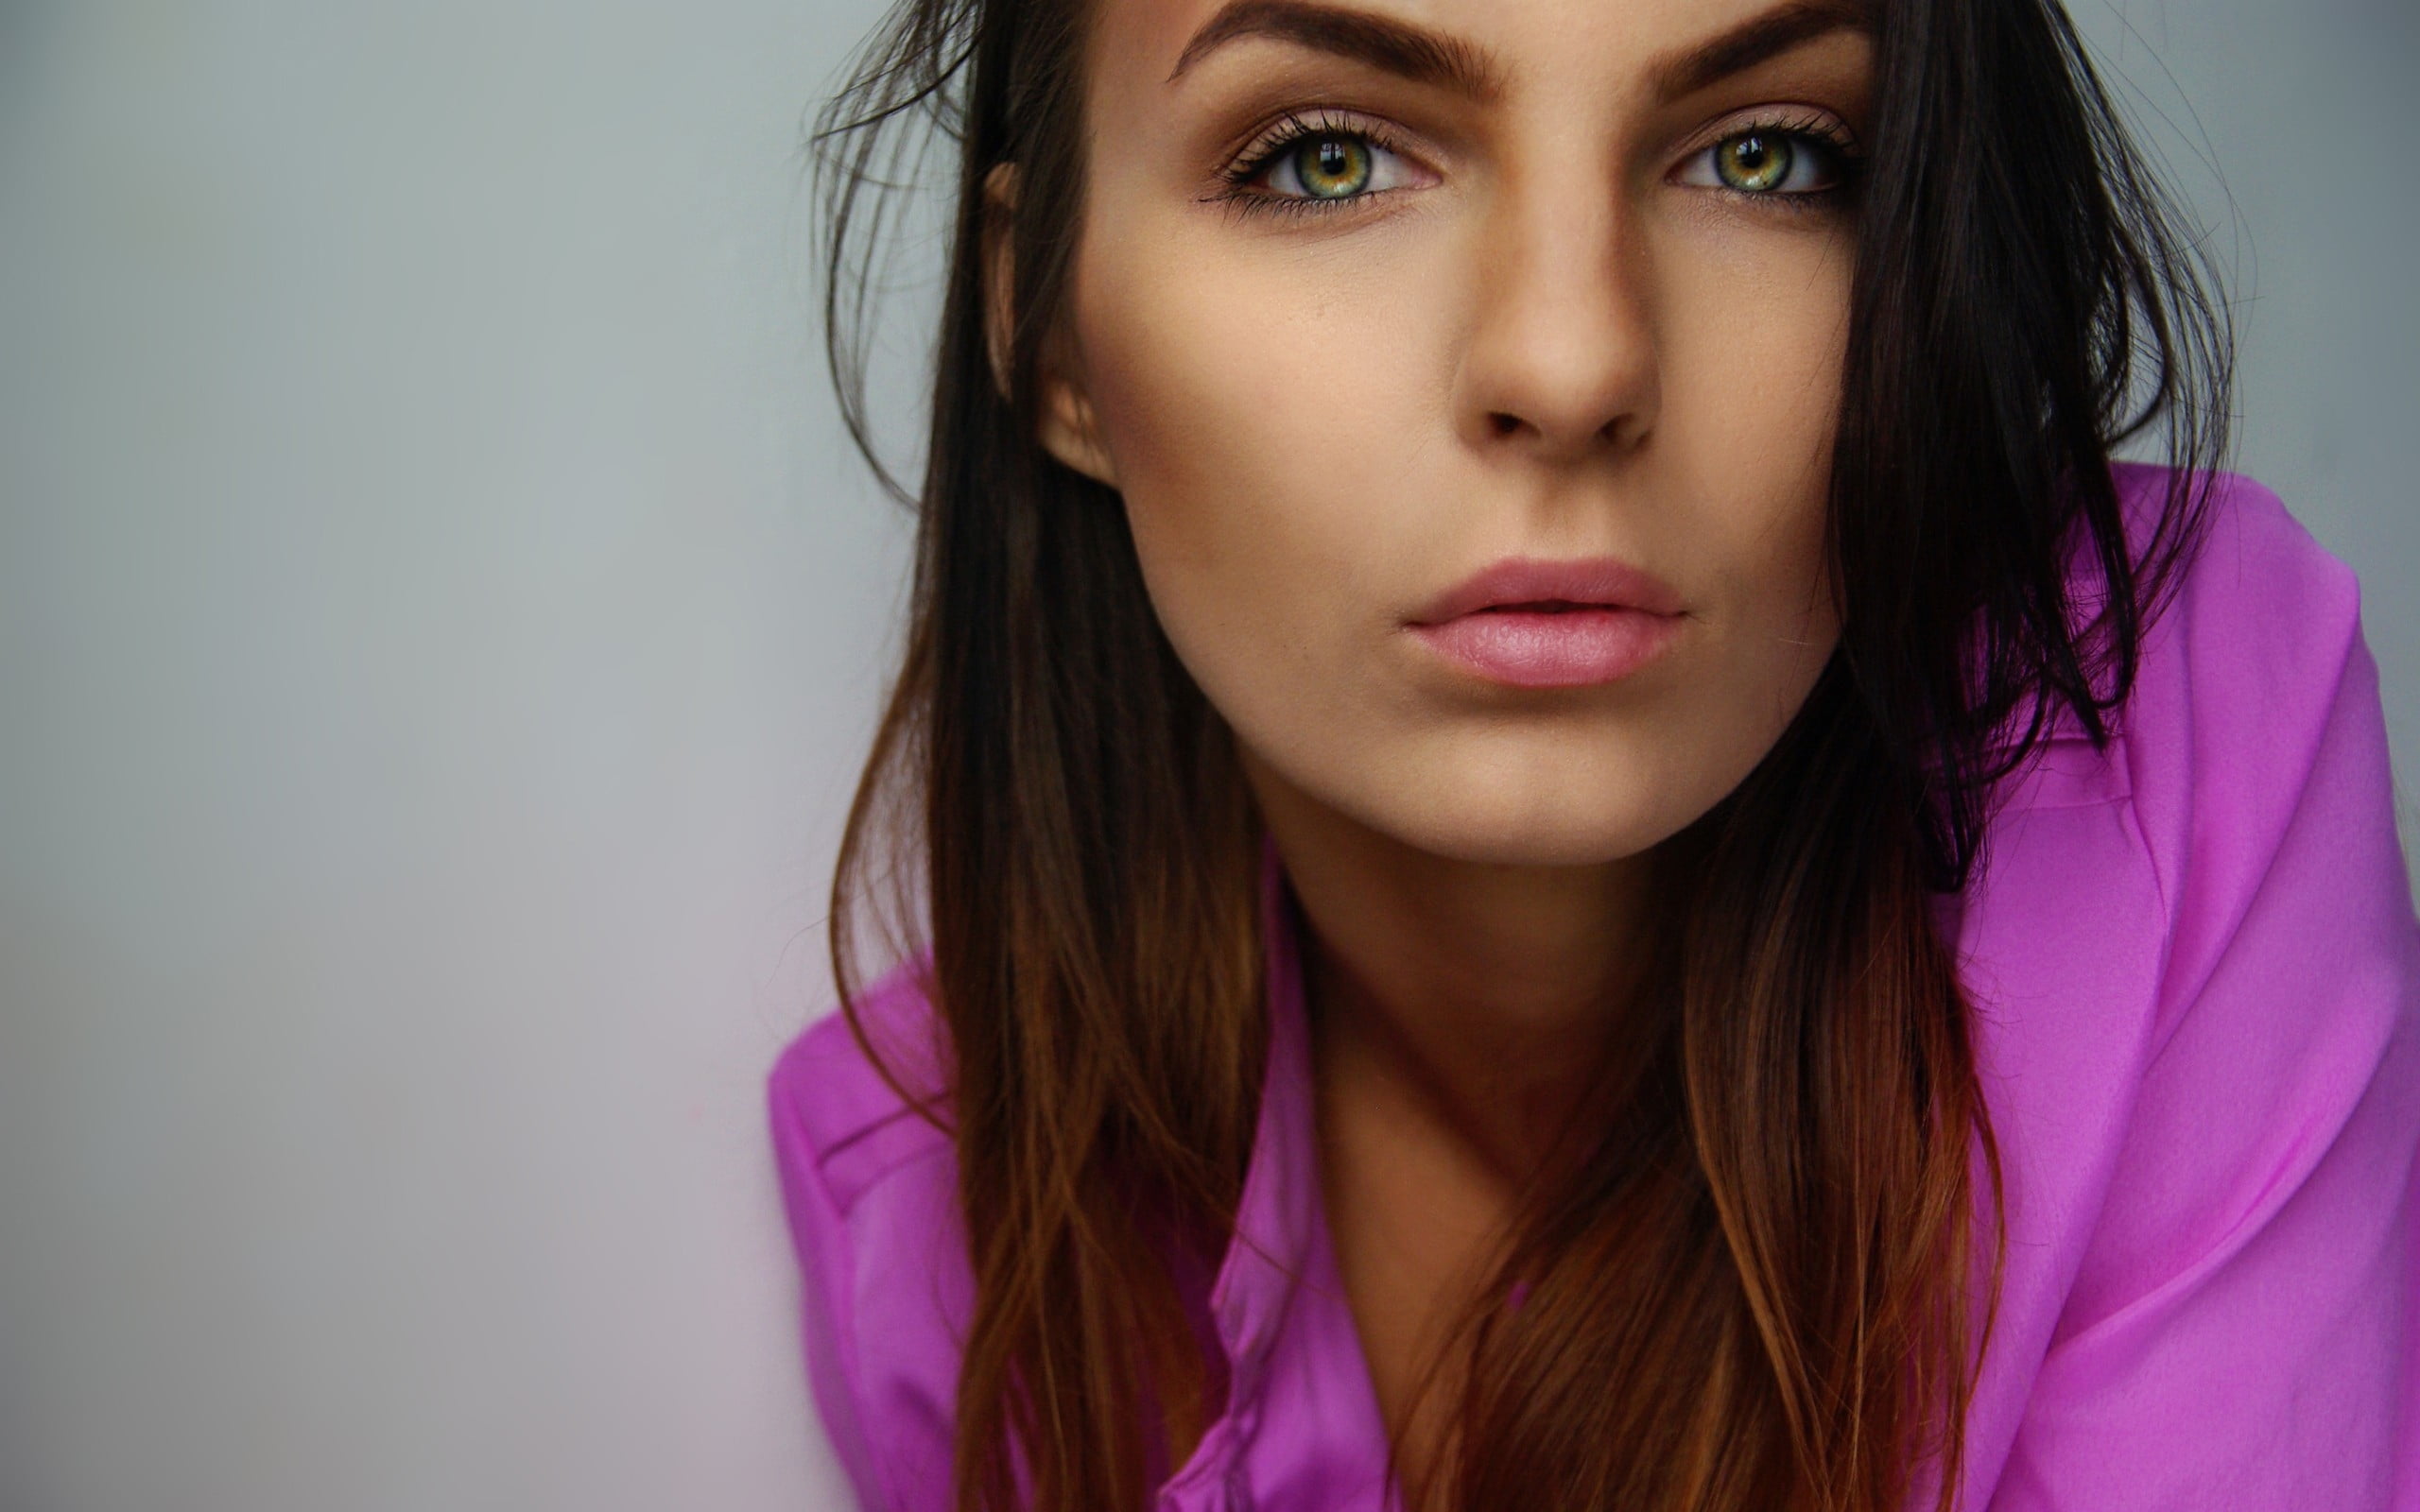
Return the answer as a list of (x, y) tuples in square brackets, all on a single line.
[(1752, 372), (1258, 436)]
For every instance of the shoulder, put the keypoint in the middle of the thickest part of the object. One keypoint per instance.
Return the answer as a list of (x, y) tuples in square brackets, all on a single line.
[(869, 1184), (2263, 623), (2242, 668), (2255, 720), (2219, 892), (2212, 911), (840, 1110), (2201, 1050)]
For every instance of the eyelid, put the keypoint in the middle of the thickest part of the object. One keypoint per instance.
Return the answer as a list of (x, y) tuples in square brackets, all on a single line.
[(1830, 136), (1263, 148), (1809, 120)]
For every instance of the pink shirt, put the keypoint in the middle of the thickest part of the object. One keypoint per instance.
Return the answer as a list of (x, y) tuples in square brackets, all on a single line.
[(2192, 958)]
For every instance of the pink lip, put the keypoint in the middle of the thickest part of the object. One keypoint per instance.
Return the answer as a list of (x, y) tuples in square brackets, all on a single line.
[(1536, 624)]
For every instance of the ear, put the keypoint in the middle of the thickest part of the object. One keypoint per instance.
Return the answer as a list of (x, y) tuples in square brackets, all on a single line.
[(1067, 429)]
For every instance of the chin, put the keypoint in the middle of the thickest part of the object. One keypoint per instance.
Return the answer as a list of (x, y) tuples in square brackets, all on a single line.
[(1570, 840), (1580, 795), (1508, 824)]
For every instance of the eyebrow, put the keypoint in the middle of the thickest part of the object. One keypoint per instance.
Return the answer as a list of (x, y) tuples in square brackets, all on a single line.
[(1426, 57), (1385, 43), (1755, 40)]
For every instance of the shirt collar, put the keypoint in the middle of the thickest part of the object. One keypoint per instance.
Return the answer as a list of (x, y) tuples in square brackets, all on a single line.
[(1278, 1218)]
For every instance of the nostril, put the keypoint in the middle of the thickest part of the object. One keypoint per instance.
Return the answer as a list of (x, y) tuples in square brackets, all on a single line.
[(1502, 423)]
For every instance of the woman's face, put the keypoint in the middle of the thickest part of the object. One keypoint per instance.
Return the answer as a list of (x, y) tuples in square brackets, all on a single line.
[(1469, 371)]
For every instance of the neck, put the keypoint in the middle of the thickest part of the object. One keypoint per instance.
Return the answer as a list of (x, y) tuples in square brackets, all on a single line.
[(1479, 997)]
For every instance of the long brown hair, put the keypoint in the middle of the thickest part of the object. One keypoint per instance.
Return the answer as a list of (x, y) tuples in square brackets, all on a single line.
[(1770, 1282)]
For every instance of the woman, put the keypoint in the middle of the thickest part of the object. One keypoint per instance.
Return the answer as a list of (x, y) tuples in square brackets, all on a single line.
[(1557, 835)]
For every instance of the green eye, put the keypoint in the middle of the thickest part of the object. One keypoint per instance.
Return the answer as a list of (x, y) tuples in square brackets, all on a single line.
[(1332, 167), (1753, 161)]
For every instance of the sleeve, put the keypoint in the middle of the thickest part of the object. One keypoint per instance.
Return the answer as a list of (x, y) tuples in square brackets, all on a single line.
[(2240, 1333), (828, 1285)]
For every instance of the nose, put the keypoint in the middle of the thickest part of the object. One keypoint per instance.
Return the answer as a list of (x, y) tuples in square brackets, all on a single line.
[(1560, 360)]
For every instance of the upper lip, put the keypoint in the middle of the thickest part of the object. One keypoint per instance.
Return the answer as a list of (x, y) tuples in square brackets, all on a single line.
[(1605, 583)]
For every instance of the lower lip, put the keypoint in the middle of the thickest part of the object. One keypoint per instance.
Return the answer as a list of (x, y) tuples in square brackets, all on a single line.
[(1565, 649)]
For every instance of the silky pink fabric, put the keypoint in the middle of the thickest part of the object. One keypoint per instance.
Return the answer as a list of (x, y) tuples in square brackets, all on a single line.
[(2192, 959)]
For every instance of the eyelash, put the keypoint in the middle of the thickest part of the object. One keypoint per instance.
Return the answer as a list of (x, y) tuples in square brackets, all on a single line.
[(1273, 144), (1293, 129)]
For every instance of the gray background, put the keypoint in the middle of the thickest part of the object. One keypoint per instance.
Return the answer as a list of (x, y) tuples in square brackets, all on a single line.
[(439, 623)]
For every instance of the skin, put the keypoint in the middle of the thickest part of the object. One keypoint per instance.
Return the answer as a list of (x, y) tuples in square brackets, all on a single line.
[(1547, 329)]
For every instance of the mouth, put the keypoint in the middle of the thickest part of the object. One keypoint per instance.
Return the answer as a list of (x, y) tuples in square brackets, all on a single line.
[(1528, 585), (1532, 624)]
